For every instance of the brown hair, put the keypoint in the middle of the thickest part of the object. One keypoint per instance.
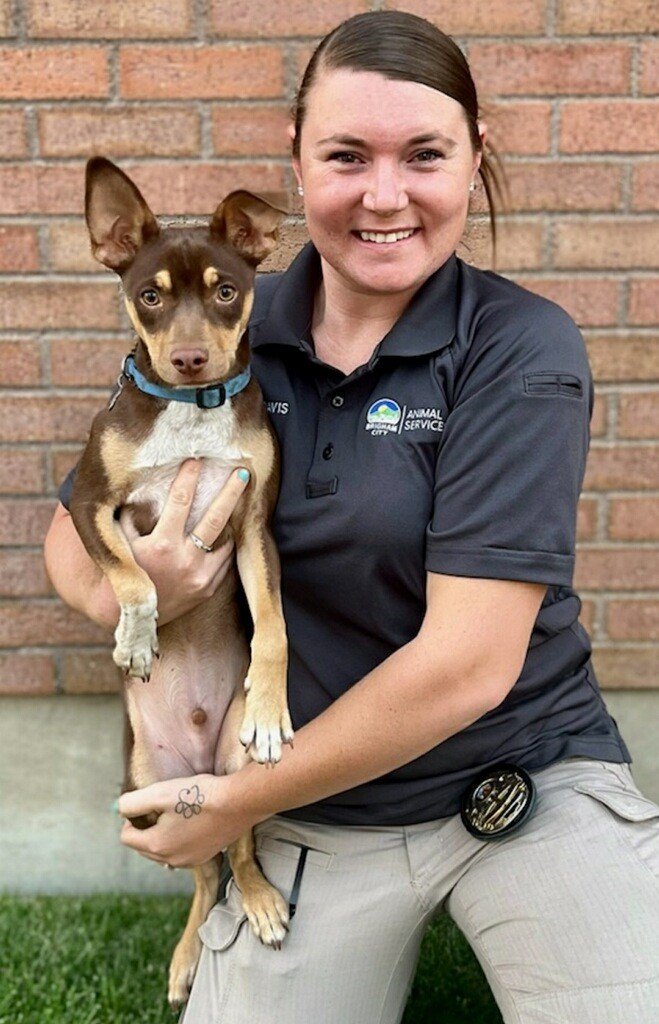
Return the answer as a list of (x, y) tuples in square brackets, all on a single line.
[(403, 46)]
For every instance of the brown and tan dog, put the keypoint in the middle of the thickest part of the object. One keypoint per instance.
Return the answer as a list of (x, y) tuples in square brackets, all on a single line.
[(207, 703)]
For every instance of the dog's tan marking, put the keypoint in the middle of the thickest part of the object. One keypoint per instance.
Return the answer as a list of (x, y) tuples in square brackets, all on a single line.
[(164, 280), (211, 276), (188, 950), (117, 453)]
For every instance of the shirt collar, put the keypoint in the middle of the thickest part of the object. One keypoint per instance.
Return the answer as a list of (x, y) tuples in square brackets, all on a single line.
[(426, 325)]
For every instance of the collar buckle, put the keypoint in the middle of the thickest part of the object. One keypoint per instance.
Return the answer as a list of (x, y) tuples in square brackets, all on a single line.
[(211, 397)]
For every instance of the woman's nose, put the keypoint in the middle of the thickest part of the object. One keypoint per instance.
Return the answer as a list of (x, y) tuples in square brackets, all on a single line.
[(385, 193)]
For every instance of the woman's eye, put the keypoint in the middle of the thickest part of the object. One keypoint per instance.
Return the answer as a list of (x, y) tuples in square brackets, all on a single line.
[(226, 292), (350, 157), (429, 155), (150, 297)]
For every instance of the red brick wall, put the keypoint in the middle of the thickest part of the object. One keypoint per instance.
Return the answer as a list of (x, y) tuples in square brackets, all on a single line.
[(191, 97)]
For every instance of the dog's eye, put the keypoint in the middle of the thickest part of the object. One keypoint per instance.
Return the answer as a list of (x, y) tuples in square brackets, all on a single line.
[(226, 292), (150, 297)]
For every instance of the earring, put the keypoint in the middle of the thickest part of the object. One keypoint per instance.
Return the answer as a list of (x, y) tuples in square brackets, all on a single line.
[(300, 190), (472, 186)]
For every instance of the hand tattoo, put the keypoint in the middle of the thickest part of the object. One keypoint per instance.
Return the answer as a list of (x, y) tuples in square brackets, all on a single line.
[(189, 802)]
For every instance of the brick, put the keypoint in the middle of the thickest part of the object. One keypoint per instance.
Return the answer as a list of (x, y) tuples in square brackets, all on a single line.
[(23, 574), (534, 69), (627, 467), (21, 471), (5, 18), (26, 305), (521, 128), (20, 363), (70, 249), (644, 301), (63, 459), (110, 19), (36, 188), (53, 72), (624, 357), (649, 66), (24, 522), (622, 668), (609, 126), (19, 249), (590, 17), (91, 672), (500, 17), (616, 568), (587, 616), (198, 188), (590, 301), (638, 415), (598, 420), (208, 72), (47, 418), (121, 131), (237, 18), (645, 186), (634, 518), (617, 242), (12, 133), (564, 186), (519, 244), (586, 518), (27, 674), (46, 624), (250, 131), (80, 363), (632, 620)]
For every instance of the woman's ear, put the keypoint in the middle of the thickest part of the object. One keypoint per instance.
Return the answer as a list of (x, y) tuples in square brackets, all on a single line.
[(295, 161)]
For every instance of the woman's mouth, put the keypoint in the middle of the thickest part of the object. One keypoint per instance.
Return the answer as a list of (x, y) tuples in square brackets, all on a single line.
[(385, 238)]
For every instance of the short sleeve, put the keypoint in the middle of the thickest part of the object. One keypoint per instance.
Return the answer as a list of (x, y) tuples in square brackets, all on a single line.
[(66, 487), (513, 455)]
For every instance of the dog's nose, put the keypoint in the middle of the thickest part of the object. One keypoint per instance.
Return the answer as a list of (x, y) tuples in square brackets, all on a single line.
[(189, 360)]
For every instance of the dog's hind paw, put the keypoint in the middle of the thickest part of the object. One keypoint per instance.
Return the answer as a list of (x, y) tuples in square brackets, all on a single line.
[(136, 638), (267, 912), (181, 973)]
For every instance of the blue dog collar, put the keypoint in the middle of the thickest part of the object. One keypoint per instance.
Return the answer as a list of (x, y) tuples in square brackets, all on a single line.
[(212, 396)]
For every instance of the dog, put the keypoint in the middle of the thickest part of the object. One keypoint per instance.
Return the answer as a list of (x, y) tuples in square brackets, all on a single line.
[(197, 698)]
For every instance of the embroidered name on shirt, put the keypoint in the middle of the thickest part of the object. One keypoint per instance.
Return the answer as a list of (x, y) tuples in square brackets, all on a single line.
[(423, 419), (279, 407)]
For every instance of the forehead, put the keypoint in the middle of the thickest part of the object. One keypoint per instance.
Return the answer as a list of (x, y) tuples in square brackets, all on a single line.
[(366, 104), (182, 257)]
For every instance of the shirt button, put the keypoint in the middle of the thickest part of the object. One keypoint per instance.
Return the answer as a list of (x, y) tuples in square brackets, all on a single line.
[(328, 451), (337, 401)]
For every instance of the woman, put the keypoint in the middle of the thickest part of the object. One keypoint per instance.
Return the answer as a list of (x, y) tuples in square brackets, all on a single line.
[(434, 424)]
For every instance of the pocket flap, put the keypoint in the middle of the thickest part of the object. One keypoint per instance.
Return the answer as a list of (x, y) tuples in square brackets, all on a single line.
[(629, 805), (223, 923)]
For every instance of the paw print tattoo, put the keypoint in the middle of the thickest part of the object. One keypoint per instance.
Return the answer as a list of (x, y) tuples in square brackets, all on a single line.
[(189, 802)]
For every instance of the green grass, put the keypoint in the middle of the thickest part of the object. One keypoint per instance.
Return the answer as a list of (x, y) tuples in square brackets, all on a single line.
[(104, 959)]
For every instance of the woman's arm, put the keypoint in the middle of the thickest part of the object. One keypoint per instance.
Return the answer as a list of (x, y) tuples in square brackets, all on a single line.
[(467, 656), (183, 575)]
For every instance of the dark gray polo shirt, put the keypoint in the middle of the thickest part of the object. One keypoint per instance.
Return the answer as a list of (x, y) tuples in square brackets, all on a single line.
[(459, 448)]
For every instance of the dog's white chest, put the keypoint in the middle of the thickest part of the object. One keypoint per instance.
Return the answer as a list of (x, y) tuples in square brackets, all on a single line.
[(181, 432)]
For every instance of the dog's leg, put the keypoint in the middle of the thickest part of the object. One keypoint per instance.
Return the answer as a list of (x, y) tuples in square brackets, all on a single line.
[(266, 723), (188, 950)]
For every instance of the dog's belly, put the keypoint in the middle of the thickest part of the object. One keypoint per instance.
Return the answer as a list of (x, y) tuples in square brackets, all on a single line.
[(177, 715)]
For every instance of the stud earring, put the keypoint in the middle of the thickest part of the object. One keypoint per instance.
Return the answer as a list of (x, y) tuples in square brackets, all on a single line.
[(300, 190), (472, 186)]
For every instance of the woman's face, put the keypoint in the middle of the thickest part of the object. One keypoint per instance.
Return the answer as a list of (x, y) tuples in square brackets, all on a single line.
[(384, 156)]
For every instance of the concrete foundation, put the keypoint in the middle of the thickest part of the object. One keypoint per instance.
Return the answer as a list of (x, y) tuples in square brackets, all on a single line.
[(61, 769)]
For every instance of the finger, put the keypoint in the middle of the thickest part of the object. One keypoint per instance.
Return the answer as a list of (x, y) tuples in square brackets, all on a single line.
[(141, 801), (218, 513), (177, 507), (140, 840), (225, 552)]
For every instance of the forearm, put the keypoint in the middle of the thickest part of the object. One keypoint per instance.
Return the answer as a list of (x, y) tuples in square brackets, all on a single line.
[(399, 711), (76, 577)]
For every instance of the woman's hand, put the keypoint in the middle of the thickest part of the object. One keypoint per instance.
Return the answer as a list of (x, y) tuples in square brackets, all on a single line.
[(183, 574), (197, 819)]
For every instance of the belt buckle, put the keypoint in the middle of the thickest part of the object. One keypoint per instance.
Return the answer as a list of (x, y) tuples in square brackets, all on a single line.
[(498, 801)]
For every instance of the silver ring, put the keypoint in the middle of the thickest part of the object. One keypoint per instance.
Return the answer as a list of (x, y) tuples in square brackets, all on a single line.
[(169, 867), (198, 542)]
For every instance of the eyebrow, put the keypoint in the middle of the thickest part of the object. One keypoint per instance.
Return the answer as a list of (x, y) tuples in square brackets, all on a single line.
[(351, 140)]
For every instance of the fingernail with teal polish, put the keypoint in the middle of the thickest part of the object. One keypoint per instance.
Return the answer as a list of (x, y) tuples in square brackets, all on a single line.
[(114, 806), (244, 475)]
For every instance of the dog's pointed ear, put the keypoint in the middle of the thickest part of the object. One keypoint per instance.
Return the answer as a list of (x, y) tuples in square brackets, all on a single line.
[(117, 215), (248, 223)]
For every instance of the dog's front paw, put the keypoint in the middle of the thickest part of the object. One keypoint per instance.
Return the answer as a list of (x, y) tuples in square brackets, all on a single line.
[(136, 638), (266, 725)]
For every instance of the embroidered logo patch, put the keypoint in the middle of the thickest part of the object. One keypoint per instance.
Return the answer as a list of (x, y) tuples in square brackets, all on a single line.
[(383, 417)]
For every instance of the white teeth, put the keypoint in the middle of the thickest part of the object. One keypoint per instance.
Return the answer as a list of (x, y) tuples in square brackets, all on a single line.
[(392, 236)]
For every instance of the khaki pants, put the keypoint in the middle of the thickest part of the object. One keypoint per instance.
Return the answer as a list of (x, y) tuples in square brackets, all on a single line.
[(563, 915)]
